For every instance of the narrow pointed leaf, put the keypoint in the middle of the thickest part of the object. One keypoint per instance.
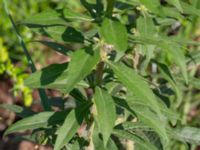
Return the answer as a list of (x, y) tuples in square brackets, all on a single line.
[(70, 126), (187, 134), (98, 141), (63, 77), (74, 16), (40, 120), (178, 57), (133, 126), (46, 18), (145, 115), (55, 17), (165, 72), (106, 113), (138, 140), (135, 84)]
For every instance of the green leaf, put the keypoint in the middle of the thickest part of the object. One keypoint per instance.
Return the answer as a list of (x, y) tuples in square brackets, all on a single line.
[(63, 77), (145, 26), (153, 6), (63, 34), (46, 18), (98, 141), (56, 46), (48, 76), (106, 113), (20, 111), (73, 146), (194, 57), (114, 33), (187, 134), (146, 145), (166, 74), (172, 48), (40, 120), (195, 82), (177, 4), (74, 16), (70, 126), (55, 18), (178, 56), (133, 126), (145, 115), (135, 84), (165, 21), (189, 9)]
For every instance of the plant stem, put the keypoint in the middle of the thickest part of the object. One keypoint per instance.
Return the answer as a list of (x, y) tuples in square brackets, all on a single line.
[(110, 6), (99, 73)]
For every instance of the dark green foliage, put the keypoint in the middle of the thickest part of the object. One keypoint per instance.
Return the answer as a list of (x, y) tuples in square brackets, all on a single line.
[(130, 79)]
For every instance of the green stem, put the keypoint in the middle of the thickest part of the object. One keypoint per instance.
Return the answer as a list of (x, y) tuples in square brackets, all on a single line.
[(43, 96), (99, 73), (110, 7)]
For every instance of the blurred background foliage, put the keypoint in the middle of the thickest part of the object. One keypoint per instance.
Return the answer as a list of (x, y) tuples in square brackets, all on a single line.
[(13, 64)]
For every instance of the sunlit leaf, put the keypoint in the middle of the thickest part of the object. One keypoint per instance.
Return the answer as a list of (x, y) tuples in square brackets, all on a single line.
[(129, 136), (70, 126), (106, 113), (62, 76), (98, 141), (114, 33), (177, 4), (46, 18), (135, 84), (63, 34), (40, 120)]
